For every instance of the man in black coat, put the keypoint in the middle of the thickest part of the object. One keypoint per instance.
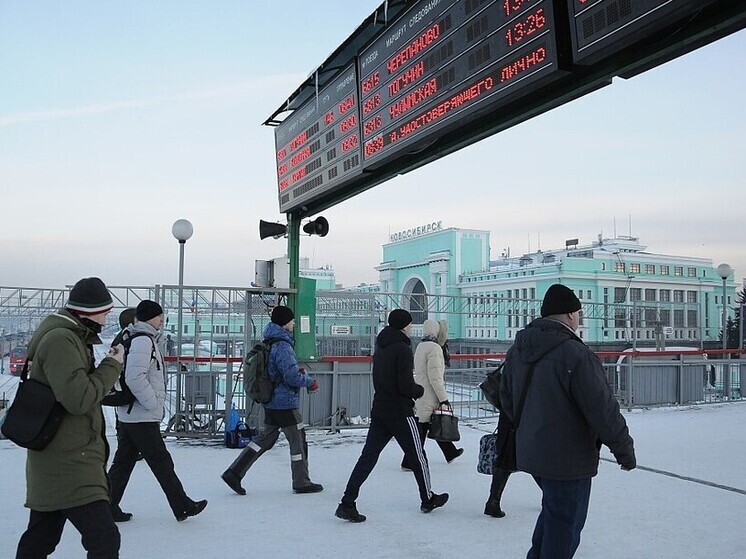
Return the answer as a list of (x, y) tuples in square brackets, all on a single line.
[(392, 415), (569, 411)]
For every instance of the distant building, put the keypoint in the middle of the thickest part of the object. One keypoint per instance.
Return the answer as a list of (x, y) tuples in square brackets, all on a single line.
[(629, 295)]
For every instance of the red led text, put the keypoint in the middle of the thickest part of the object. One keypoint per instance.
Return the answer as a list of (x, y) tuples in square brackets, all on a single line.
[(525, 28), (413, 98), (370, 105), (523, 63), (350, 143), (347, 124), (414, 48), (346, 104), (411, 75), (370, 82)]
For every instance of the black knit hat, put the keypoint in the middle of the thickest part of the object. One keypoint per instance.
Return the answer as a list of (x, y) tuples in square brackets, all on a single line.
[(399, 319), (88, 297), (559, 299), (282, 315), (147, 309), (126, 317)]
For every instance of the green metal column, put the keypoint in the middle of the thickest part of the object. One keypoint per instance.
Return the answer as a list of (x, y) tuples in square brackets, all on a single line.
[(303, 300)]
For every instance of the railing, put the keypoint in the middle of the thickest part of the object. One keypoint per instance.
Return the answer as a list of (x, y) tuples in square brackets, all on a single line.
[(638, 379)]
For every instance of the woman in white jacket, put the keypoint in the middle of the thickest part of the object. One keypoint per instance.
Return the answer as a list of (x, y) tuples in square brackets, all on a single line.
[(429, 372)]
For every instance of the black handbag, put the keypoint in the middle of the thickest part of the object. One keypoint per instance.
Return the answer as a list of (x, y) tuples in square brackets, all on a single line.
[(491, 386), (444, 425), (35, 415)]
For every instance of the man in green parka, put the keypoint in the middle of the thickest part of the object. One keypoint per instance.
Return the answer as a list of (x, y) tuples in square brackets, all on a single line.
[(67, 479)]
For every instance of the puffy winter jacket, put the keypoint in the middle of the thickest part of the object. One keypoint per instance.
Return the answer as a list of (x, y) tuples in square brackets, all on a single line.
[(429, 370), (569, 409), (283, 369), (393, 378), (71, 470), (145, 375)]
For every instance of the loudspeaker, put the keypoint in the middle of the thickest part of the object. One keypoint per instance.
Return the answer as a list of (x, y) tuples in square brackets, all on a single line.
[(267, 229), (319, 226)]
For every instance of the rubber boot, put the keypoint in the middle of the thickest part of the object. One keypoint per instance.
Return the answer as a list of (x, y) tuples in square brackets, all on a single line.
[(499, 480)]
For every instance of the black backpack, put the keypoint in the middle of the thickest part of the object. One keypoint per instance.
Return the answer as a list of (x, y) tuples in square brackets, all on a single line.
[(257, 384), (123, 396)]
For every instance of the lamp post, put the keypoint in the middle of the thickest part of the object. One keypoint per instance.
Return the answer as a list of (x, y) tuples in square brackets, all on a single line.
[(182, 230), (724, 271)]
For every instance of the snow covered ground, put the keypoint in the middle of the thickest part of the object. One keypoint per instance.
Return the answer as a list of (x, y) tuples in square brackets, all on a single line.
[(639, 514)]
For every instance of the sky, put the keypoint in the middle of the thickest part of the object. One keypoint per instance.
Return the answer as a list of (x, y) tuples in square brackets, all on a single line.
[(640, 514), (118, 118)]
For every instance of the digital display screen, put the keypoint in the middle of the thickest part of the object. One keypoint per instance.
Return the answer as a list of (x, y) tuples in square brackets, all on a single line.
[(602, 27), (443, 63), (318, 146)]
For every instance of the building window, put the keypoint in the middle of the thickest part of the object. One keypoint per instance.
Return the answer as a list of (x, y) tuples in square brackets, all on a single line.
[(665, 295), (649, 268), (620, 318), (664, 271), (678, 318), (692, 319), (665, 317), (678, 295), (619, 294), (588, 294), (635, 294), (650, 294), (678, 271), (691, 272), (603, 266), (634, 268), (619, 267), (691, 296), (580, 293)]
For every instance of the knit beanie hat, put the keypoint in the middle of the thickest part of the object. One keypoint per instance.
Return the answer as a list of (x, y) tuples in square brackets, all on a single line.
[(147, 309), (126, 317), (399, 319), (282, 315), (559, 299), (88, 297)]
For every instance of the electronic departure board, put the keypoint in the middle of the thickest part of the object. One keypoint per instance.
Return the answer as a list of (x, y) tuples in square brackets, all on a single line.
[(420, 79), (443, 63), (602, 27), (318, 146)]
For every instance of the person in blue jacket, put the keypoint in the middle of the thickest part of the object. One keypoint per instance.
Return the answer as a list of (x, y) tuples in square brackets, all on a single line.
[(282, 412)]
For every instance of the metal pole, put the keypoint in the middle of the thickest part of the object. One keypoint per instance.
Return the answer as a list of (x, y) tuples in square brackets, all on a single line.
[(725, 317), (179, 323), (726, 369)]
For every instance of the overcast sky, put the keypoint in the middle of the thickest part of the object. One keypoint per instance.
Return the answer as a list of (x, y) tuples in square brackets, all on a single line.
[(117, 118)]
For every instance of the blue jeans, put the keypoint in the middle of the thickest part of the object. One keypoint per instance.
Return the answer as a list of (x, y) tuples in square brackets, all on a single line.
[(564, 508)]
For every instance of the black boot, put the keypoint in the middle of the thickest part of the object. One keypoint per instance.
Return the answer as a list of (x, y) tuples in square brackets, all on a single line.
[(233, 481), (499, 480)]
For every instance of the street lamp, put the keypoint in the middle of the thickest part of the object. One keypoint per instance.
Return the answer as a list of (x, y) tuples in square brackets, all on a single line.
[(724, 271), (182, 230)]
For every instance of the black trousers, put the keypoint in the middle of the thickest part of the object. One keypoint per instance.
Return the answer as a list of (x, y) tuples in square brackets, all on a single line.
[(380, 432), (145, 438), (100, 536), (448, 449)]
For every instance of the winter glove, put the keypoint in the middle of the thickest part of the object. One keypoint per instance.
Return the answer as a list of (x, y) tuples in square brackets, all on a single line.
[(116, 353), (444, 403), (630, 464), (314, 386)]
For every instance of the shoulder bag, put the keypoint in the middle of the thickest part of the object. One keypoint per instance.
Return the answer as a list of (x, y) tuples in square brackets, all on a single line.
[(34, 416)]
